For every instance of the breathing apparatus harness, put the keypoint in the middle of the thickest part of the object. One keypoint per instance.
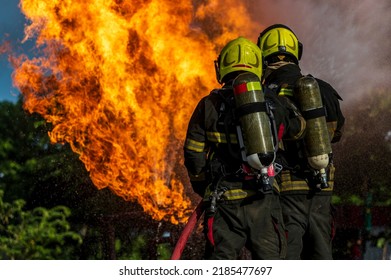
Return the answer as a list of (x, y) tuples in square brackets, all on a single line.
[(218, 170), (303, 167)]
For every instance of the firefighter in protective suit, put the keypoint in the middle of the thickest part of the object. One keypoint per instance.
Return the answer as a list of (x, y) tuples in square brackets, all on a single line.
[(240, 211), (307, 209)]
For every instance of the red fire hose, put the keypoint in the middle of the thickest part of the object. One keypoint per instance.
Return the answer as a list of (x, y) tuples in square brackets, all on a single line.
[(181, 243)]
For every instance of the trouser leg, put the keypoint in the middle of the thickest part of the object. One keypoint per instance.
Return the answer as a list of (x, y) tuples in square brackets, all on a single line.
[(224, 232), (294, 211), (267, 234), (319, 230)]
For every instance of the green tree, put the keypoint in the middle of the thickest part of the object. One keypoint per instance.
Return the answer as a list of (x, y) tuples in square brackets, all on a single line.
[(31, 167), (43, 234), (44, 175)]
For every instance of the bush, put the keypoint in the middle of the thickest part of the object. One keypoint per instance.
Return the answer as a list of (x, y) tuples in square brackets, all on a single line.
[(39, 234)]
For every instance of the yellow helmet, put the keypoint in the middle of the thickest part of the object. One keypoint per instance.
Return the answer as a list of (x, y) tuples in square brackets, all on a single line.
[(239, 54), (279, 39)]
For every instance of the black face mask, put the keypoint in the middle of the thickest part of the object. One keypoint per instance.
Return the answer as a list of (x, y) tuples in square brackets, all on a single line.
[(287, 73)]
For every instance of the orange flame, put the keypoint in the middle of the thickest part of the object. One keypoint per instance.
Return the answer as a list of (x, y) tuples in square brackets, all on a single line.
[(119, 80)]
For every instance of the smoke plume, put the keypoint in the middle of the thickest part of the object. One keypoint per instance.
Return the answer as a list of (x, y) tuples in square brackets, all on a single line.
[(346, 43)]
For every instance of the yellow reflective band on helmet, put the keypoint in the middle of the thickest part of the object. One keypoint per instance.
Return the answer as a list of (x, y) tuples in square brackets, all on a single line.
[(286, 92), (195, 146), (253, 86), (218, 137)]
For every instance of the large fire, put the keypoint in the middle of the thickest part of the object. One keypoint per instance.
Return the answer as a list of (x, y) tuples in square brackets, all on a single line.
[(119, 79)]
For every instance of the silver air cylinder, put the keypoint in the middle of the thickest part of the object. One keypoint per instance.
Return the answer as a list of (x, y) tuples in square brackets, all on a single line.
[(254, 121), (317, 141)]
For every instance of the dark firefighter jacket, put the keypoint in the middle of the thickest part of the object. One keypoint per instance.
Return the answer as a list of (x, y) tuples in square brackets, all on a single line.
[(211, 147), (297, 175)]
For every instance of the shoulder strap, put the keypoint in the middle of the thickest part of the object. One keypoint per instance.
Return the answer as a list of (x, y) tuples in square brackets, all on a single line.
[(227, 114)]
